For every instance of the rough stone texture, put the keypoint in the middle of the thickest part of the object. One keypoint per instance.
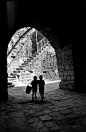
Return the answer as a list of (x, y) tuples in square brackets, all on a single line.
[(50, 124), (61, 111), (65, 67), (38, 125), (45, 117), (44, 129), (33, 120)]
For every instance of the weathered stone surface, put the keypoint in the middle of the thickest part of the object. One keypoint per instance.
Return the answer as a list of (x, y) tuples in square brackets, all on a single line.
[(66, 111), (33, 120), (71, 67), (44, 129), (20, 121), (46, 111), (65, 77), (70, 86), (53, 114), (70, 72), (68, 78), (50, 124), (55, 128), (61, 110), (68, 52), (72, 77), (18, 114), (70, 116), (71, 82), (63, 53), (65, 73), (38, 125), (62, 67), (61, 77), (31, 111), (66, 82), (78, 128), (59, 66), (67, 67), (38, 113), (58, 118), (61, 73), (45, 117)]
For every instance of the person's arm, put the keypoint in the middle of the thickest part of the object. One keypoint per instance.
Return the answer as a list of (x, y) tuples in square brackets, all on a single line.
[(44, 82)]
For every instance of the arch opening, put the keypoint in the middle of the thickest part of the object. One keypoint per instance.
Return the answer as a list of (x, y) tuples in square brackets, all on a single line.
[(30, 53)]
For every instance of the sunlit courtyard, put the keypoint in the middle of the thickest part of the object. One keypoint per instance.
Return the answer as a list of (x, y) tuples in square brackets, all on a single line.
[(30, 54)]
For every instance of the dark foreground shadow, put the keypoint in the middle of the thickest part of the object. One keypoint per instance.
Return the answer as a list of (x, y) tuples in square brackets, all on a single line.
[(35, 102), (27, 101)]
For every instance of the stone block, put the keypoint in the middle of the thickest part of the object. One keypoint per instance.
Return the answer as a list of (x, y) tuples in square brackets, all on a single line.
[(65, 112), (71, 67), (65, 86), (59, 66), (46, 111), (65, 82), (65, 73), (68, 77), (38, 113), (58, 55), (69, 52), (71, 116), (70, 86), (61, 70), (62, 67), (67, 47), (67, 67), (45, 117), (37, 125), (50, 124), (64, 62), (70, 72), (72, 77), (32, 120), (60, 73), (61, 77), (54, 128), (44, 129), (71, 82), (53, 114), (65, 77), (63, 53)]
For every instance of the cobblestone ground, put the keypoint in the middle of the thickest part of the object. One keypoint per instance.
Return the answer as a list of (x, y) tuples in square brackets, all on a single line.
[(61, 111)]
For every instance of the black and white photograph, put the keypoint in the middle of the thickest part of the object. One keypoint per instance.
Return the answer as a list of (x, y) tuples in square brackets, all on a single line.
[(42, 66)]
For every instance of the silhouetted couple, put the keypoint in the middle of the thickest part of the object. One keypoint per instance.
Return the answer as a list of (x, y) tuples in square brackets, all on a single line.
[(41, 84)]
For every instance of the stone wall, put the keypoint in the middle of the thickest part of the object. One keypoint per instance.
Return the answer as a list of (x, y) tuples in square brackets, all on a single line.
[(65, 67)]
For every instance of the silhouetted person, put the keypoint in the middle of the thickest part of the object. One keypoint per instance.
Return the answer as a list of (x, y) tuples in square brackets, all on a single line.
[(34, 87), (41, 86)]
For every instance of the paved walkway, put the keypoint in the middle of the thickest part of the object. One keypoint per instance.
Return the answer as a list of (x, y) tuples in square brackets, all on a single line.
[(61, 111)]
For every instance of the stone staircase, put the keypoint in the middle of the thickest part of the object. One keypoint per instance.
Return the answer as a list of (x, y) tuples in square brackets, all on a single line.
[(26, 69), (49, 75)]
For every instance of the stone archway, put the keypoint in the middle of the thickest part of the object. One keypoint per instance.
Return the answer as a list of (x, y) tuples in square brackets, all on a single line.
[(30, 53), (64, 57)]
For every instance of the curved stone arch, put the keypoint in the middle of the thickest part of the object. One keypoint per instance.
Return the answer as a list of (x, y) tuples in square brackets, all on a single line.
[(46, 34)]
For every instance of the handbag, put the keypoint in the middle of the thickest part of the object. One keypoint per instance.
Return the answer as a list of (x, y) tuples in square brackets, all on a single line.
[(28, 89)]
